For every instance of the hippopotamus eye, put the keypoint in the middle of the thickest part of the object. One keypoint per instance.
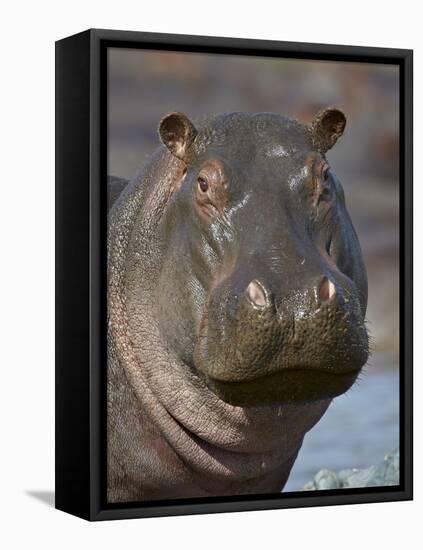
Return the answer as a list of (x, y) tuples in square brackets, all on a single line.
[(324, 188), (325, 173), (211, 196), (326, 194), (202, 184)]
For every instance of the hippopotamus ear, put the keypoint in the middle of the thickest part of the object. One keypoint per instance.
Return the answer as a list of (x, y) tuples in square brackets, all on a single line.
[(327, 126), (177, 132)]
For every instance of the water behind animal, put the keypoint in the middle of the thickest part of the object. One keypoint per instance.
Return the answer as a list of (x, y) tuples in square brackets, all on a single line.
[(358, 429)]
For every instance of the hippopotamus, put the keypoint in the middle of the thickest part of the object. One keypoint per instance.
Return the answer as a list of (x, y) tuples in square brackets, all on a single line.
[(237, 296)]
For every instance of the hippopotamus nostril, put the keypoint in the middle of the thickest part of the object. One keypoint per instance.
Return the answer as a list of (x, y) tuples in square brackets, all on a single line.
[(256, 294), (327, 290)]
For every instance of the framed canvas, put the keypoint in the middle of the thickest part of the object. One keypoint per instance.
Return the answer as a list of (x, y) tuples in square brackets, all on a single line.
[(233, 274)]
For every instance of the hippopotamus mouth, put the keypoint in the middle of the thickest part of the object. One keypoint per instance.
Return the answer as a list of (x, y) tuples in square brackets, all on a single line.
[(293, 385)]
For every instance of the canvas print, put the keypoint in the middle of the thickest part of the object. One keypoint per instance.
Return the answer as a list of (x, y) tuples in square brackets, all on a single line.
[(252, 275)]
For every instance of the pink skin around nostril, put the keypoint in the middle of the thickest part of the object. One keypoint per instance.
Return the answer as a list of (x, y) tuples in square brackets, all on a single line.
[(327, 290), (256, 294)]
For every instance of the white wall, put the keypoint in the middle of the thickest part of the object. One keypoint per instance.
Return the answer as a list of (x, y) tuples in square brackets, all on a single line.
[(28, 32)]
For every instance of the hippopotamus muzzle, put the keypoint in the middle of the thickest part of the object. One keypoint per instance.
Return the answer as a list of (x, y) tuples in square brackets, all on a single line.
[(256, 346)]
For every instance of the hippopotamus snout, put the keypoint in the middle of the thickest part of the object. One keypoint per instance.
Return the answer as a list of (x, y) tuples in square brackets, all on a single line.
[(261, 297), (270, 332)]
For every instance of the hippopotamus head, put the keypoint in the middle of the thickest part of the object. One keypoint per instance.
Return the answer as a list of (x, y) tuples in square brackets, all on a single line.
[(263, 291)]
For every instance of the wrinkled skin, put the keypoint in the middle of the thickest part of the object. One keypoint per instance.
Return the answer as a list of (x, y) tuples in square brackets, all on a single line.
[(236, 303)]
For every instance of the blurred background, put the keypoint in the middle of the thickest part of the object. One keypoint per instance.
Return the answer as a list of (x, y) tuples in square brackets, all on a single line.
[(363, 424)]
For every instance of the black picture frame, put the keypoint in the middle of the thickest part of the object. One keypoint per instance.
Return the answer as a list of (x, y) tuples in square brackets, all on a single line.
[(81, 225)]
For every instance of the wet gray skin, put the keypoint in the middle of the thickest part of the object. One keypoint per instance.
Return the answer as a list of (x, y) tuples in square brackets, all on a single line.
[(236, 302)]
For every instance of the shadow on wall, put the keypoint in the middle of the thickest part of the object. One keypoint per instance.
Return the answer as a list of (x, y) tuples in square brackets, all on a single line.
[(46, 497)]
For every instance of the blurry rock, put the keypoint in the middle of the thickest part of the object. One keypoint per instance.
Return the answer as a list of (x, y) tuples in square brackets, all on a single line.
[(384, 474), (327, 479)]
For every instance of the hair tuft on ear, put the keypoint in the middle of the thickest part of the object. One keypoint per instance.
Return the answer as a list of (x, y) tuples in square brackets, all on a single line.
[(327, 127), (177, 132)]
